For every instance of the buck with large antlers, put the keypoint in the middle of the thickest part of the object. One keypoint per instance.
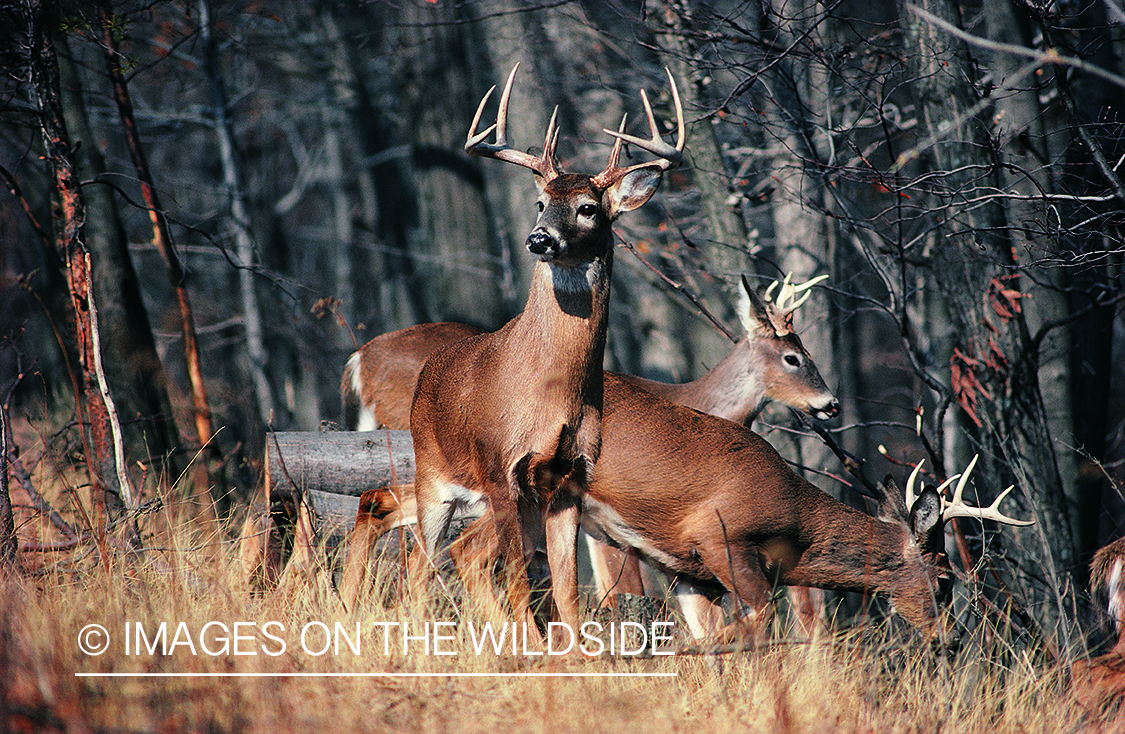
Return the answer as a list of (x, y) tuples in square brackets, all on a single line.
[(768, 363), (713, 504), (513, 418)]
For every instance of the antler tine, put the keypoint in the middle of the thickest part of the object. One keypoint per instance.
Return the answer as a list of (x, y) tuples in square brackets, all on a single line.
[(544, 165), (785, 303), (963, 481), (500, 126), (957, 507), (806, 286), (474, 139), (615, 154), (550, 143), (670, 156), (911, 481)]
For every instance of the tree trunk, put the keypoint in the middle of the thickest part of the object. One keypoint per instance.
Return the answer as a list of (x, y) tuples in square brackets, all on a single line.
[(135, 373), (69, 214), (9, 545), (162, 240), (801, 231), (1023, 144), (995, 370), (397, 297), (729, 237), (240, 221)]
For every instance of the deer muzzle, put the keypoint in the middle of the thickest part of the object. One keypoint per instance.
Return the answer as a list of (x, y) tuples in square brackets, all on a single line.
[(541, 243), (826, 410)]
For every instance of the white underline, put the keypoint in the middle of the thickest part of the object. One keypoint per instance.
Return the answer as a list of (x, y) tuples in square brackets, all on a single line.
[(376, 675)]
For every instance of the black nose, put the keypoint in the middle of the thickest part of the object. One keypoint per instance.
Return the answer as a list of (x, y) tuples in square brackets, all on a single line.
[(833, 408), (540, 243)]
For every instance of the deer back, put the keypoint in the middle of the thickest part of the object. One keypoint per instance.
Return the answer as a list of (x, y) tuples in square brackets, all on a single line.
[(380, 378), (768, 363)]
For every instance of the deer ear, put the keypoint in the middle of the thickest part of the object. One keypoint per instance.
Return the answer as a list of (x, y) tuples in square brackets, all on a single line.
[(632, 190), (925, 515), (753, 312), (891, 504)]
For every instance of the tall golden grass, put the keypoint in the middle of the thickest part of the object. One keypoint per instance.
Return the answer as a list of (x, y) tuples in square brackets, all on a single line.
[(189, 575)]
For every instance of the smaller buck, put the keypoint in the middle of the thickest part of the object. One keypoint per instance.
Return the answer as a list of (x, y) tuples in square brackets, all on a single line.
[(769, 363), (512, 419), (1099, 683)]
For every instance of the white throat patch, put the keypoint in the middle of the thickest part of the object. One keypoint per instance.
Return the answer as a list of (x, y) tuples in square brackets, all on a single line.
[(577, 278)]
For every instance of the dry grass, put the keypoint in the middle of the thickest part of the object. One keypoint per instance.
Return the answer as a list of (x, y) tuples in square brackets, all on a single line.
[(189, 576)]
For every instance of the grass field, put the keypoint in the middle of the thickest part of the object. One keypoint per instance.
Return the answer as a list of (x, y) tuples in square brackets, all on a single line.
[(231, 660)]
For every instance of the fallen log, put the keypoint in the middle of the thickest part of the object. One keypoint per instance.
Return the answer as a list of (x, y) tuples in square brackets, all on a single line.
[(311, 485), (330, 470)]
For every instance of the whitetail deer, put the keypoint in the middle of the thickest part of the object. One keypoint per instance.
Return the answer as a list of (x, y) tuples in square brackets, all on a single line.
[(513, 418), (1099, 683), (381, 377), (712, 503), (768, 363)]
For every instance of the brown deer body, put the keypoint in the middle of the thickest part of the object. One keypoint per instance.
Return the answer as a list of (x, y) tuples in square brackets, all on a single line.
[(712, 503), (1099, 683), (381, 377), (513, 418), (768, 363)]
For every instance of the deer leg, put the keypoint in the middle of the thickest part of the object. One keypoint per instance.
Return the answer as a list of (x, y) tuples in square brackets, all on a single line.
[(561, 526), (379, 510), (361, 541), (615, 572), (474, 553), (510, 540), (703, 611), (433, 518), (738, 568), (808, 610)]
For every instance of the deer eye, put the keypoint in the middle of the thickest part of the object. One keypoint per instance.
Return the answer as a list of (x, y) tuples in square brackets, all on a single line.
[(588, 210), (539, 206), (792, 360)]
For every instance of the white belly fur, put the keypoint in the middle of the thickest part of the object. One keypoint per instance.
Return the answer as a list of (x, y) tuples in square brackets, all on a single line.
[(602, 522)]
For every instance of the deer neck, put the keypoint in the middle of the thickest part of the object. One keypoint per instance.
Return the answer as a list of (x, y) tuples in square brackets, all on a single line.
[(849, 550), (730, 390), (564, 322)]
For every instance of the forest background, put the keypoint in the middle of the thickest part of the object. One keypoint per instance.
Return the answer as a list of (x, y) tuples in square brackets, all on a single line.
[(256, 188)]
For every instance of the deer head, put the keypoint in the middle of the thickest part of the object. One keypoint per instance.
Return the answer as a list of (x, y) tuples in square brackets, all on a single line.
[(783, 368), (576, 210)]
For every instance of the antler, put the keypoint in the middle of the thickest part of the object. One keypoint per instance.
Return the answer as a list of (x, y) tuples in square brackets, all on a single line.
[(957, 507), (669, 156), (545, 165), (781, 309)]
